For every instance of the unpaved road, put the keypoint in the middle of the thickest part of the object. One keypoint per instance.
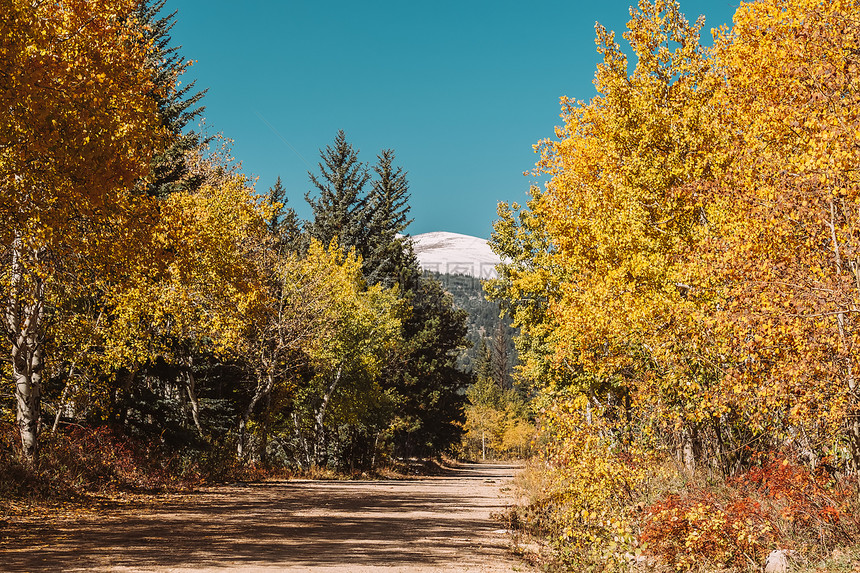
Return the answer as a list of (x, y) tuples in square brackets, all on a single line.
[(421, 525)]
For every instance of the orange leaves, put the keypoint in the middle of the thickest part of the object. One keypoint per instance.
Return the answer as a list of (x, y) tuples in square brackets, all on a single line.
[(80, 124), (775, 503), (699, 239), (701, 215), (683, 531), (80, 119), (619, 209), (790, 243)]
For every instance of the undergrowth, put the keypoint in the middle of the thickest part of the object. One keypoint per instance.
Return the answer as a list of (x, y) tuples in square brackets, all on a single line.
[(699, 523), (77, 461)]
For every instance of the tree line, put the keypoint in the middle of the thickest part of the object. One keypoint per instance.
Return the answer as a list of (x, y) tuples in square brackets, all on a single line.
[(149, 288)]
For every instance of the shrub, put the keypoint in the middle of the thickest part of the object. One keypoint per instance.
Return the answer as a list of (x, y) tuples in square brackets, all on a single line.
[(685, 530), (778, 504)]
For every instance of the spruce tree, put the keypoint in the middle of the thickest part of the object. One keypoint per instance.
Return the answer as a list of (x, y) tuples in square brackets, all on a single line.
[(386, 251), (284, 223), (422, 376), (339, 211), (177, 106)]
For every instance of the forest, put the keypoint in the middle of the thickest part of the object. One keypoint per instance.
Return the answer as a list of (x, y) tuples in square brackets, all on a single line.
[(687, 287), (483, 324), (677, 362), (168, 323)]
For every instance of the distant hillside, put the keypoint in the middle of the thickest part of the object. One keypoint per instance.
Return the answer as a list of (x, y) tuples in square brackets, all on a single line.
[(484, 318), (460, 263), (455, 254)]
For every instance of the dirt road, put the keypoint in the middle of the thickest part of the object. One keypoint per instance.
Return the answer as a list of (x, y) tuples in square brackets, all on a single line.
[(422, 525)]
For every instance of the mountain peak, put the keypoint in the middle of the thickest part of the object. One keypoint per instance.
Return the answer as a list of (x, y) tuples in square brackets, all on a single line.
[(453, 253)]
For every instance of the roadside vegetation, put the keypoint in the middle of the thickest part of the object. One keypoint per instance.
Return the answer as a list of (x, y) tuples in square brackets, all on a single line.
[(167, 323), (687, 286)]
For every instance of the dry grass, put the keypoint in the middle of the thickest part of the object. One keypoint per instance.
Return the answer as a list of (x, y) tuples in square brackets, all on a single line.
[(815, 514)]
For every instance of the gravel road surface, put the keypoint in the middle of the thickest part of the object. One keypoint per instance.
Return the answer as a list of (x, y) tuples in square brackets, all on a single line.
[(439, 523)]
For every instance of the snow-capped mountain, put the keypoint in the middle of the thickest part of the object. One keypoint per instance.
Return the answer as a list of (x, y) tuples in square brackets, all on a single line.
[(456, 254)]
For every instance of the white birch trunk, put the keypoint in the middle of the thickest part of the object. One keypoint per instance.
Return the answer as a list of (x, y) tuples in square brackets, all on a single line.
[(23, 325), (191, 390), (321, 411)]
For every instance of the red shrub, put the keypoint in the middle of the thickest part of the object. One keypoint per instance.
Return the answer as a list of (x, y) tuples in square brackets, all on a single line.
[(779, 504), (685, 530)]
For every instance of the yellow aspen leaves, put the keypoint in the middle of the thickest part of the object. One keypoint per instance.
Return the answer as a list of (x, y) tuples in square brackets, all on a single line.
[(688, 280)]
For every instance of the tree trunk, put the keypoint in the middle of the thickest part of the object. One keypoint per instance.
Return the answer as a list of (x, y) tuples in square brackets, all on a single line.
[(690, 448), (24, 310), (63, 397), (853, 422), (302, 443), (320, 414), (27, 375), (265, 383), (721, 447), (483, 445), (240, 446), (264, 432), (191, 389), (373, 455)]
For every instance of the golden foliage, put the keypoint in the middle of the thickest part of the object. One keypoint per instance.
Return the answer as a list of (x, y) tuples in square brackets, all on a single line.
[(691, 268), (79, 124)]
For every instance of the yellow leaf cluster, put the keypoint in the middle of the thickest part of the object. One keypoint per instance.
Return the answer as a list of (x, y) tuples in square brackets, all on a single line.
[(691, 268)]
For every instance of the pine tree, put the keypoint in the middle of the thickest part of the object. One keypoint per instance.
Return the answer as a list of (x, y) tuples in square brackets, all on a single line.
[(340, 210), (177, 106), (385, 251), (284, 223)]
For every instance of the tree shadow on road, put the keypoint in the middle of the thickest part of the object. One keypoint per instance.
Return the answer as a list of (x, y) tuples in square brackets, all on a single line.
[(300, 523)]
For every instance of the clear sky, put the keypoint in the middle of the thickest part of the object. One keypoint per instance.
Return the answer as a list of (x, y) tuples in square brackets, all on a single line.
[(461, 90)]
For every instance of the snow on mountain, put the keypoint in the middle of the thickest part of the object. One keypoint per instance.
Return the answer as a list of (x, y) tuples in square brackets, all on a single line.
[(456, 254)]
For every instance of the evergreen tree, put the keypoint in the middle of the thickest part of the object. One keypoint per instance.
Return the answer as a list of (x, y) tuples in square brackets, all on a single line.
[(426, 377), (501, 366), (385, 251), (484, 361), (284, 223), (177, 106), (422, 376), (370, 223), (340, 210)]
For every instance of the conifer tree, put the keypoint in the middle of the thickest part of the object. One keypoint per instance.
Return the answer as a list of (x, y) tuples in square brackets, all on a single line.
[(500, 359), (385, 252), (484, 361), (339, 212), (177, 106), (426, 376), (284, 223)]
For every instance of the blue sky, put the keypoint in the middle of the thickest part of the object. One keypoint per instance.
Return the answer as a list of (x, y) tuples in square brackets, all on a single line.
[(460, 90)]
